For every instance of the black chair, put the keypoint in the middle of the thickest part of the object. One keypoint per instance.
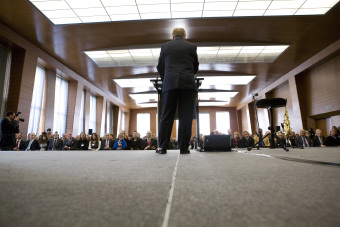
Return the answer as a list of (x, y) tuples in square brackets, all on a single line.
[(270, 104)]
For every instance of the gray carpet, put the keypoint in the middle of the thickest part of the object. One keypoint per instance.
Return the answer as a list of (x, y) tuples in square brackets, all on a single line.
[(131, 188)]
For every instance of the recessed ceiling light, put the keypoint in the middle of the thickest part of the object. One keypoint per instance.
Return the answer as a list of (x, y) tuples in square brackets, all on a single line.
[(161, 9), (206, 55)]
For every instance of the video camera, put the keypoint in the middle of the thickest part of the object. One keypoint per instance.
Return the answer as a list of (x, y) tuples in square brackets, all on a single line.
[(20, 119)]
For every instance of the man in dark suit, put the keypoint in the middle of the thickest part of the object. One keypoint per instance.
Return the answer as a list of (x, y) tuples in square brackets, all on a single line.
[(194, 143), (19, 143), (55, 144), (149, 142), (32, 144), (303, 140), (246, 140), (69, 143), (107, 144), (177, 66), (333, 139), (318, 139), (8, 127)]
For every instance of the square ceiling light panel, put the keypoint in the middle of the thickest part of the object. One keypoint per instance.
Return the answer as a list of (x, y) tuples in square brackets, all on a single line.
[(220, 95), (206, 55), (91, 11)]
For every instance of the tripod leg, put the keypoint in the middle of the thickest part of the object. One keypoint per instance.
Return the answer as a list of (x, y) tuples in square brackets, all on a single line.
[(249, 148), (279, 141)]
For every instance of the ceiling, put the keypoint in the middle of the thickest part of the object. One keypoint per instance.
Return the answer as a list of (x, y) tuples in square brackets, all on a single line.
[(305, 35)]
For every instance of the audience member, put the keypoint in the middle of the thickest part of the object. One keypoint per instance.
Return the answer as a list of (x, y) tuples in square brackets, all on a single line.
[(56, 144), (95, 143), (193, 143), (318, 139), (19, 143), (230, 133), (246, 140), (43, 142), (303, 140), (216, 132), (32, 143), (83, 143), (311, 134), (120, 143), (236, 140), (333, 139), (149, 143), (107, 143), (49, 134), (266, 139), (281, 141), (136, 143), (256, 138), (69, 143)]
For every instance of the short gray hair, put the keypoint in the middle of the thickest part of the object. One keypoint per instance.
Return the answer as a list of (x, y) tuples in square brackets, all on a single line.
[(179, 32)]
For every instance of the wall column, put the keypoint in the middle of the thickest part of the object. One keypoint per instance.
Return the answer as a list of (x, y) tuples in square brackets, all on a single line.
[(75, 92), (295, 103), (87, 112)]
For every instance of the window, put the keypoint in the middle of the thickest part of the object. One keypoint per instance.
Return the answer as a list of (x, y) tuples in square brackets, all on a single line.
[(37, 98), (143, 123), (5, 65), (123, 121), (81, 116), (60, 105), (93, 113), (222, 121), (204, 123)]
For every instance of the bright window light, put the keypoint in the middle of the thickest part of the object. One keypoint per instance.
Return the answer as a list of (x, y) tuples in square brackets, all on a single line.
[(140, 98), (204, 123), (210, 103), (222, 96), (223, 121), (114, 10)]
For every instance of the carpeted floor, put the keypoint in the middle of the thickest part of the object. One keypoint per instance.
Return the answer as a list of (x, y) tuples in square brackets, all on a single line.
[(141, 188)]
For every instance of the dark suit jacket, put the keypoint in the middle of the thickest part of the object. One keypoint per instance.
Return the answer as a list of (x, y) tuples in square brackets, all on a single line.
[(58, 145), (103, 143), (34, 146), (299, 142), (153, 143), (331, 141), (316, 141), (82, 145), (137, 145), (8, 130), (246, 143), (178, 65), (71, 143)]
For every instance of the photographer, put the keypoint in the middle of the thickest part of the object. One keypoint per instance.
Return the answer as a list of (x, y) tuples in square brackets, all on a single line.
[(9, 126)]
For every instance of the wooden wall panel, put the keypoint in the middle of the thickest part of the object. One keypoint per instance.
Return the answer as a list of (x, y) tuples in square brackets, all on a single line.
[(87, 111), (115, 120), (71, 103), (319, 88), (245, 120), (99, 114), (133, 119)]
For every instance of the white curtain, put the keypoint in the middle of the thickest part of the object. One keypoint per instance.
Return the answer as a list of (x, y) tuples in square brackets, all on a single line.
[(81, 116), (60, 105), (204, 123), (123, 121), (143, 123), (223, 121), (37, 98), (93, 113)]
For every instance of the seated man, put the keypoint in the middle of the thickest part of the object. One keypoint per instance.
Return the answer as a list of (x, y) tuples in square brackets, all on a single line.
[(318, 139), (149, 142), (303, 140), (69, 143), (19, 144), (32, 144), (281, 137), (246, 140), (107, 143), (333, 140), (55, 144), (193, 143)]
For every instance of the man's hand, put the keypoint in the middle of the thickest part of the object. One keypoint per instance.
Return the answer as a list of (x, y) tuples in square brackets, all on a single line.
[(16, 118)]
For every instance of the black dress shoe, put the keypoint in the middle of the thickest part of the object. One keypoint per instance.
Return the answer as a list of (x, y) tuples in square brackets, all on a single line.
[(185, 151), (161, 151)]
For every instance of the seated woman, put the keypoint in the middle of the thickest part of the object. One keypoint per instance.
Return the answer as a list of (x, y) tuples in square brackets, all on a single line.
[(120, 143), (95, 142), (235, 142), (43, 142), (82, 143)]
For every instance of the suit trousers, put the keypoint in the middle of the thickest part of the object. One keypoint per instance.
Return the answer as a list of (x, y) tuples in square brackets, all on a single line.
[(185, 99)]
